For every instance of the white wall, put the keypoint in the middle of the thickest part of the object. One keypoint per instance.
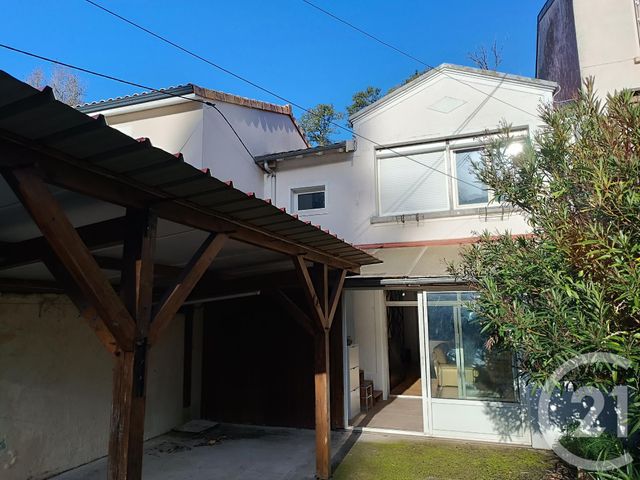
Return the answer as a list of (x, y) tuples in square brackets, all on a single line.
[(55, 387), (174, 128), (202, 135), (350, 178), (263, 132), (608, 43), (370, 333)]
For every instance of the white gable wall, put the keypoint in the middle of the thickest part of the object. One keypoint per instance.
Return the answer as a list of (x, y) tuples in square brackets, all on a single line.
[(204, 138), (351, 180), (262, 132)]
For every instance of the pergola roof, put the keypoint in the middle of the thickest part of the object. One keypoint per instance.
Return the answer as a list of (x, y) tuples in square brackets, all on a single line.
[(98, 166), (86, 205)]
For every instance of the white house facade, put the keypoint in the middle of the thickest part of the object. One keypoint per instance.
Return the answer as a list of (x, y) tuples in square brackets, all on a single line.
[(404, 191)]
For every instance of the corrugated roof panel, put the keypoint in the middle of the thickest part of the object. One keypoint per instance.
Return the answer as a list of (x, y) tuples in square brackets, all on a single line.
[(75, 135)]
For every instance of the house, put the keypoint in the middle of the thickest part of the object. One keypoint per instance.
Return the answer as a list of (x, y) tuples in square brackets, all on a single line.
[(193, 120), (589, 38), (404, 192), (138, 291)]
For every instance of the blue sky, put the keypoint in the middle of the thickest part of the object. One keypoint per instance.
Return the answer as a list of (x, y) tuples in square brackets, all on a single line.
[(285, 45)]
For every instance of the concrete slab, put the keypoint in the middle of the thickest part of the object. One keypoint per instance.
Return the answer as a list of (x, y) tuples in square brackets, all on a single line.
[(229, 452)]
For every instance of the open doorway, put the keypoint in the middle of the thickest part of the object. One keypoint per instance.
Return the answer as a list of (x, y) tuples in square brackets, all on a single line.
[(403, 343)]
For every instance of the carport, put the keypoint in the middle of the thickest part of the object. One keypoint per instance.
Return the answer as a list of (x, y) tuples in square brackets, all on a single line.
[(128, 231)]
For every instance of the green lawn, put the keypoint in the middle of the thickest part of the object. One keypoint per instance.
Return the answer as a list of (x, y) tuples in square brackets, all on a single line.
[(439, 460)]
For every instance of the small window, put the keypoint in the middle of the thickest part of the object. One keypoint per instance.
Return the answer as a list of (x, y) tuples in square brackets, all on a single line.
[(309, 199), (471, 191)]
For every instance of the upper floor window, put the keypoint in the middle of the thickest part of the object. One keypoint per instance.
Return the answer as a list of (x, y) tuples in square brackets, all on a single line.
[(469, 190), (432, 177), (308, 200)]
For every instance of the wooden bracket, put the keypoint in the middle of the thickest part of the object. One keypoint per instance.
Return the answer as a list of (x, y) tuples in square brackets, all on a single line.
[(184, 284), (72, 253)]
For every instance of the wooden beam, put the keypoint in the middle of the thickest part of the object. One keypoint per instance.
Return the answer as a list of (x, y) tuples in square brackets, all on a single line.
[(335, 297), (321, 283), (97, 235), (87, 311), (116, 264), (130, 370), (82, 177), (136, 288), (72, 252), (180, 290), (322, 406), (295, 312), (309, 290)]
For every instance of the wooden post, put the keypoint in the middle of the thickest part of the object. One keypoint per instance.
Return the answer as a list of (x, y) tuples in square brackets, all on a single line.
[(323, 415), (323, 308), (129, 373)]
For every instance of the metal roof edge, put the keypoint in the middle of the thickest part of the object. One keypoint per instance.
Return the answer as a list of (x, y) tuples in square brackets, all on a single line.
[(377, 281), (136, 99), (340, 147)]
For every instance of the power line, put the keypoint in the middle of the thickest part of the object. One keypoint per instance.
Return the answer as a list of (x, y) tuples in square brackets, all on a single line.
[(266, 90), (404, 53), (133, 84)]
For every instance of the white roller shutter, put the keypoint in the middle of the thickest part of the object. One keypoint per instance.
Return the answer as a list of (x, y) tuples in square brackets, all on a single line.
[(408, 185)]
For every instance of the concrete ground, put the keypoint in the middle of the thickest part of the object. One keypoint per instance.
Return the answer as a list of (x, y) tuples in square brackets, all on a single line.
[(229, 452)]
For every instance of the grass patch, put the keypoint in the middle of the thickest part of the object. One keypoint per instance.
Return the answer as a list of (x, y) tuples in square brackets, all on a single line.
[(432, 460)]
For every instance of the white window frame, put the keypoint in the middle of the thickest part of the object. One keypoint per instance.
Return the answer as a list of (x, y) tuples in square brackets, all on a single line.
[(295, 192), (454, 169), (409, 151), (449, 148)]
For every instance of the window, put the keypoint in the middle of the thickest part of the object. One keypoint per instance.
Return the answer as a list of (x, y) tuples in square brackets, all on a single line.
[(412, 185), (462, 367), (309, 199), (470, 191), (435, 178)]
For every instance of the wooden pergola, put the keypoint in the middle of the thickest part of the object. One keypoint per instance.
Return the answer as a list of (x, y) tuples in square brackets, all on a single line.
[(52, 155)]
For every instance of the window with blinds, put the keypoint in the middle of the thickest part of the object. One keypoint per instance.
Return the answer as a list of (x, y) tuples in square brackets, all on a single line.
[(411, 184)]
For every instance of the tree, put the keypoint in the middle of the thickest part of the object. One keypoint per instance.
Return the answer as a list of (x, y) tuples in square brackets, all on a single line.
[(66, 86), (410, 78), (487, 59), (573, 286), (319, 123), (363, 98)]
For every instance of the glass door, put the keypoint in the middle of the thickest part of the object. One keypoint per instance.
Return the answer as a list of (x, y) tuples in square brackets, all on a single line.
[(460, 365)]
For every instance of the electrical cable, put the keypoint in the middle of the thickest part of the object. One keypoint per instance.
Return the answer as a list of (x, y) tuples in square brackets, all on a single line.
[(133, 84), (271, 92)]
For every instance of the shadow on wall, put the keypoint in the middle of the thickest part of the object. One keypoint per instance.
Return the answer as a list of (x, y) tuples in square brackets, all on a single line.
[(509, 423), (565, 409)]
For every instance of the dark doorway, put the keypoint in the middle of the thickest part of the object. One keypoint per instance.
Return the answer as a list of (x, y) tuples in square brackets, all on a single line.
[(404, 343)]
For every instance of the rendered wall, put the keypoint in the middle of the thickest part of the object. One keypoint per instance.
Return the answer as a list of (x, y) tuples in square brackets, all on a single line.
[(262, 132), (55, 387), (608, 43), (583, 38), (369, 323), (350, 178), (205, 139)]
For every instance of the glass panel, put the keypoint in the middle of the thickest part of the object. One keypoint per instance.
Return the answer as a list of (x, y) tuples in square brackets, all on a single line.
[(402, 296), (310, 201), (443, 352), (488, 373), (442, 297), (461, 365), (477, 191)]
